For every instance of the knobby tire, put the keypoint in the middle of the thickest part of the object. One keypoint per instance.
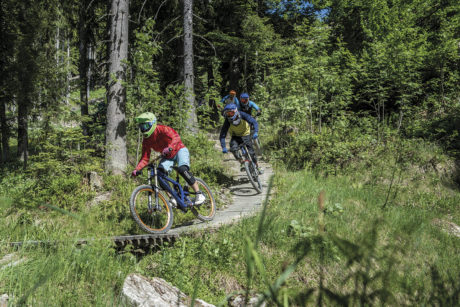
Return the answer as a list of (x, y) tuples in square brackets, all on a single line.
[(251, 171), (155, 222), (207, 210)]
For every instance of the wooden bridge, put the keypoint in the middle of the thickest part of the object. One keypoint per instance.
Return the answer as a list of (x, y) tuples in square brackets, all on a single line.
[(137, 241)]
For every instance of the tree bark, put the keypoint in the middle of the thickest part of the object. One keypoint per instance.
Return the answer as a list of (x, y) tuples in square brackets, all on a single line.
[(4, 127), (188, 65), (23, 136), (27, 71), (84, 68), (212, 102), (6, 46), (116, 155)]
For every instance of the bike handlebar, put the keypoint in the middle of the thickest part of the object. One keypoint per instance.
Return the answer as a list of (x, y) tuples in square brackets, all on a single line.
[(151, 164)]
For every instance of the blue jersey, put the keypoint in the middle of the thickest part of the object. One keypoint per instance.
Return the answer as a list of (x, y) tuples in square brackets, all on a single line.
[(248, 108)]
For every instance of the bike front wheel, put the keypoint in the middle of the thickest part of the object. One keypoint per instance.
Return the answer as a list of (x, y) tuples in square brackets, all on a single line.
[(207, 210), (253, 175), (152, 219)]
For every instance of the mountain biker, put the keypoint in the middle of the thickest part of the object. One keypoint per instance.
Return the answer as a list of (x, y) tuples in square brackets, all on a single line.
[(229, 99), (238, 123), (247, 105), (167, 141)]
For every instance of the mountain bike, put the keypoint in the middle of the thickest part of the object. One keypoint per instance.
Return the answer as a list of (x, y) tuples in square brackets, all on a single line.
[(250, 168), (153, 212)]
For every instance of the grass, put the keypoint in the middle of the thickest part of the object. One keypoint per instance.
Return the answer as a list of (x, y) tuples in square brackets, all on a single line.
[(374, 242), (395, 249)]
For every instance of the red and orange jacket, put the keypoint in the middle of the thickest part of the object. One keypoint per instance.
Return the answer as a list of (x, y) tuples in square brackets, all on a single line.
[(161, 138)]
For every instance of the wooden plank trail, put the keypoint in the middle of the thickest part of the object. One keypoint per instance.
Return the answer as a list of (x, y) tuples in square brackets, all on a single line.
[(144, 240)]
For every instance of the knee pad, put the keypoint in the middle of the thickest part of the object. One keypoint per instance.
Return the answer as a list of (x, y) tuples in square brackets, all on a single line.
[(185, 173)]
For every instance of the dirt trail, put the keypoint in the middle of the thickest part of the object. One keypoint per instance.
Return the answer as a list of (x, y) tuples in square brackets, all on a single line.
[(245, 200)]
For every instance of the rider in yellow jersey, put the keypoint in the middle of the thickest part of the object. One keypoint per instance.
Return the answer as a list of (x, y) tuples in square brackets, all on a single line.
[(239, 125)]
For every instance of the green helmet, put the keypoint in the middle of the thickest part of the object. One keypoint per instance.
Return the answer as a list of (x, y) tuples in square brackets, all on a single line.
[(147, 123)]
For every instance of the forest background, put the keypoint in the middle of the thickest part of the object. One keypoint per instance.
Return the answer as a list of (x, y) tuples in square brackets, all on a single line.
[(359, 98)]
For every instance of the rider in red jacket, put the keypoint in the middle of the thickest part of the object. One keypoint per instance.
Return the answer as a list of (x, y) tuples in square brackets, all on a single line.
[(163, 137), (167, 141)]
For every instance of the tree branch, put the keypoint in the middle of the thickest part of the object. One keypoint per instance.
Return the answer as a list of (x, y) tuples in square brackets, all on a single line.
[(175, 37), (156, 14), (204, 20), (140, 12), (167, 26), (197, 35), (89, 5)]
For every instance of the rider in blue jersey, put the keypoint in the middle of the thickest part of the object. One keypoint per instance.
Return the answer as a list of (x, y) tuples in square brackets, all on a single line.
[(247, 105)]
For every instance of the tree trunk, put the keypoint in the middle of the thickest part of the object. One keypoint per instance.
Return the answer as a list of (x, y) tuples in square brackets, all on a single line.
[(212, 102), (83, 67), (23, 136), (116, 155), (3, 126), (27, 71), (234, 73), (188, 65)]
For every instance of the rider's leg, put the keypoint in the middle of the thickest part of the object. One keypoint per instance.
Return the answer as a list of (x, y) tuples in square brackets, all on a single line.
[(184, 171), (234, 148), (183, 160), (165, 168)]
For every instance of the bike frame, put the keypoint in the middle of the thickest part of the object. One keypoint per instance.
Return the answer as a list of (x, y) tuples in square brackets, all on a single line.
[(183, 201), (245, 152)]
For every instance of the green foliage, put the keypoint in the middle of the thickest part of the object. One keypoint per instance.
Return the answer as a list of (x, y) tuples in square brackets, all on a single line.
[(143, 90), (368, 93)]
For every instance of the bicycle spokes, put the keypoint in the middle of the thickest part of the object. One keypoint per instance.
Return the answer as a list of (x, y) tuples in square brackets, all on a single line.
[(207, 209), (153, 215)]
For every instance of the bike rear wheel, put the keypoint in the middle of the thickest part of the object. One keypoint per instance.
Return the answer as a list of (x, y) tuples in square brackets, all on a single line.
[(150, 220), (207, 210), (253, 175)]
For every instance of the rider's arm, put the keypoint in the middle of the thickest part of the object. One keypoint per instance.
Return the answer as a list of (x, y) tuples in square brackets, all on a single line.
[(145, 156), (223, 133), (225, 97), (254, 106), (173, 139), (250, 120)]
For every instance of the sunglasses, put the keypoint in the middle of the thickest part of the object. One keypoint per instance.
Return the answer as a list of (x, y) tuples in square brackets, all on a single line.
[(145, 126), (245, 100), (230, 113)]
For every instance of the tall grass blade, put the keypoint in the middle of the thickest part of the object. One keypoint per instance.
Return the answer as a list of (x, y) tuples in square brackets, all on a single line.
[(63, 211)]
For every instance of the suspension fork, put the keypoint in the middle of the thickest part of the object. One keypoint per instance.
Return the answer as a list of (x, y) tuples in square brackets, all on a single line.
[(157, 205), (155, 189)]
